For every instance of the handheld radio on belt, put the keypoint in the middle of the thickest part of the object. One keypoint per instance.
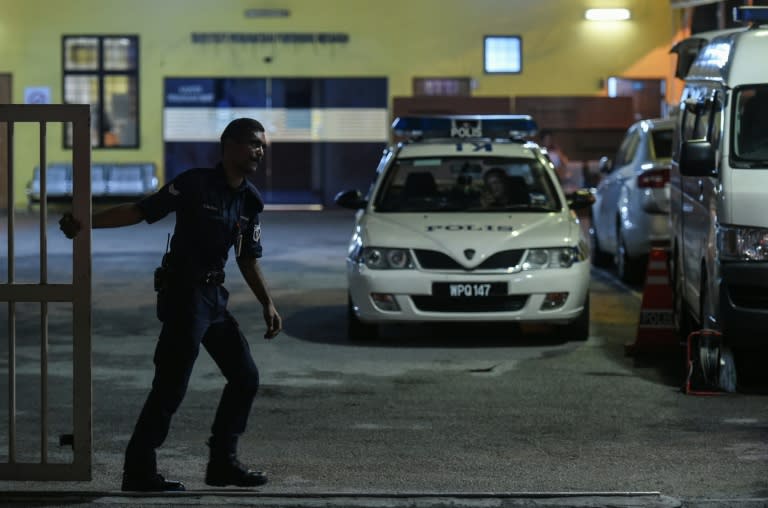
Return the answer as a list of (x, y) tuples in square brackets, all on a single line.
[(161, 272)]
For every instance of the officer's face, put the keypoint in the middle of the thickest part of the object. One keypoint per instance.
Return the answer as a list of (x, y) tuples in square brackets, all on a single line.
[(247, 153)]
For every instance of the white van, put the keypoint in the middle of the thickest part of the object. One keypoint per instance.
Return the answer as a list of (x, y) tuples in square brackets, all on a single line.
[(719, 183)]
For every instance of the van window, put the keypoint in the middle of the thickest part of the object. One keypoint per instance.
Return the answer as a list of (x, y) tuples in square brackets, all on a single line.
[(703, 117), (750, 125), (717, 111), (690, 123)]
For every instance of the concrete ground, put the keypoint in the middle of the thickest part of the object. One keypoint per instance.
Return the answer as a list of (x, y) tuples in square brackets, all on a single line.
[(427, 416)]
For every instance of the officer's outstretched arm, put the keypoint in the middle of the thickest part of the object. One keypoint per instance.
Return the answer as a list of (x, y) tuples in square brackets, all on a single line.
[(121, 215), (117, 216), (251, 271)]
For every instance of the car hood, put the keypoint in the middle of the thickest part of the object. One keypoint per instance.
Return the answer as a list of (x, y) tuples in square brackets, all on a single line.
[(453, 234)]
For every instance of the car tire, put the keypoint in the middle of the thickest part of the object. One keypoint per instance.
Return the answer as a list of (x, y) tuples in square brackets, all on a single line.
[(358, 331), (577, 330), (600, 258), (629, 269)]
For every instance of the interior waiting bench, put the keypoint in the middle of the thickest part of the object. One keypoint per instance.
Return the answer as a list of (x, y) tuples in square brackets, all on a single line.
[(108, 181)]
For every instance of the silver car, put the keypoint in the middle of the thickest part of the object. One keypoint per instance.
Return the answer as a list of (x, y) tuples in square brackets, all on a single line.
[(631, 209)]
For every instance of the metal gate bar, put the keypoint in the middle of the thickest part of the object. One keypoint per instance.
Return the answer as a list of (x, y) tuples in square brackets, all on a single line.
[(78, 293), (43, 305), (11, 306)]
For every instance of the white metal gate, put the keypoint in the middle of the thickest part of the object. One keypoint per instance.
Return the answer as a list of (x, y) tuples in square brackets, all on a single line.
[(78, 293)]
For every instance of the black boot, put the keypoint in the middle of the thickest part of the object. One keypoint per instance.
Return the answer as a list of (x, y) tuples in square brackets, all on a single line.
[(150, 483), (225, 469)]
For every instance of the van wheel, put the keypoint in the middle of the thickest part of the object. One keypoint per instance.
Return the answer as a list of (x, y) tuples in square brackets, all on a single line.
[(706, 320), (680, 315), (577, 330), (357, 330), (727, 379)]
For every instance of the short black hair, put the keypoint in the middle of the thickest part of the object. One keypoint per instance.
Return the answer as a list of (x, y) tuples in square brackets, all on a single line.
[(495, 171), (238, 128)]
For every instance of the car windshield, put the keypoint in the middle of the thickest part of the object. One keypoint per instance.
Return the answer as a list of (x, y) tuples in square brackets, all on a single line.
[(751, 124), (467, 184)]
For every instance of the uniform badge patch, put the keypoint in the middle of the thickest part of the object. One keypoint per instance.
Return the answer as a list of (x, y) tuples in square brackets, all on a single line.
[(173, 191), (257, 232)]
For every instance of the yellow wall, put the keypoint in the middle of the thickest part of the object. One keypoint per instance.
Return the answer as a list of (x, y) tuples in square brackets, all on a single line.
[(563, 54)]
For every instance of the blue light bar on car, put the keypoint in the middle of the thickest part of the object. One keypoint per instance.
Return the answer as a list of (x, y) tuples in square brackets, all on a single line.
[(466, 126), (750, 14)]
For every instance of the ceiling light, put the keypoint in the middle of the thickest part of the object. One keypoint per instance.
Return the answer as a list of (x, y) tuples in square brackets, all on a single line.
[(607, 14)]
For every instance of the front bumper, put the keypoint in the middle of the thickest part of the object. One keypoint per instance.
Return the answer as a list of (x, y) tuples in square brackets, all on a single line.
[(744, 303), (412, 290)]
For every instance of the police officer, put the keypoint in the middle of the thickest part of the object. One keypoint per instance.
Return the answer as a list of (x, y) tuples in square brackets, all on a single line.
[(216, 209)]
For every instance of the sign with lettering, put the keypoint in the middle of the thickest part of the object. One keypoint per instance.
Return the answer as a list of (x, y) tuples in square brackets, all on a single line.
[(269, 38)]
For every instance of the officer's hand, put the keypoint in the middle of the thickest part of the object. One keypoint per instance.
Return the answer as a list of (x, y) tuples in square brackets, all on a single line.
[(69, 225), (273, 320)]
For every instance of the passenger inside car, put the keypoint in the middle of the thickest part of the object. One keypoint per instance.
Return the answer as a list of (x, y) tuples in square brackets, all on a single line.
[(419, 186), (502, 190)]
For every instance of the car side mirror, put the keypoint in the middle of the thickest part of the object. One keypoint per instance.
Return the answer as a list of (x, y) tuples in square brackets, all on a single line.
[(605, 165), (352, 199), (581, 198), (697, 158)]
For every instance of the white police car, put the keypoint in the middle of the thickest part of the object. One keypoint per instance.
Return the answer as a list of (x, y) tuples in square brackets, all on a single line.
[(466, 221)]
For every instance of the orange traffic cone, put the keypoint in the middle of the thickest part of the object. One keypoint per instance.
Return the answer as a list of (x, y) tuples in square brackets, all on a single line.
[(656, 328)]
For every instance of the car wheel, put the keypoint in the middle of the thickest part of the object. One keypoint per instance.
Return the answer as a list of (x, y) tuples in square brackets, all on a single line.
[(577, 330), (600, 258), (357, 330), (629, 269)]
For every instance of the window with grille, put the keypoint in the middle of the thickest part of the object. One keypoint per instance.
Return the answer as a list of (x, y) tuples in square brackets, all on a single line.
[(103, 71)]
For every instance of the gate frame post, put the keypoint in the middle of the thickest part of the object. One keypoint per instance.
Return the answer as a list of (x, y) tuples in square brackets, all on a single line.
[(78, 293)]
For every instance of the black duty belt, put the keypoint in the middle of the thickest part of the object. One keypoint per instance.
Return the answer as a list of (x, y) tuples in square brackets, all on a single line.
[(213, 278), (209, 278)]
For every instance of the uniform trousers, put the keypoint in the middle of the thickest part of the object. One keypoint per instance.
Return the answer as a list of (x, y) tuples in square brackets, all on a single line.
[(192, 316)]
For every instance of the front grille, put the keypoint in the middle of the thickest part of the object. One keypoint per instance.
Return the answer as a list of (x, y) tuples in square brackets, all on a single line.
[(435, 260), (506, 303), (751, 297), (504, 259)]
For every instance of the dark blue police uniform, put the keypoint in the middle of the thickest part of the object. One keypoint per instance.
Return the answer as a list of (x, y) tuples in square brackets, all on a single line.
[(211, 218)]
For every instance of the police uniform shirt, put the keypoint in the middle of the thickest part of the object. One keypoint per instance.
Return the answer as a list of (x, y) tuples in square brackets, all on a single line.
[(211, 217)]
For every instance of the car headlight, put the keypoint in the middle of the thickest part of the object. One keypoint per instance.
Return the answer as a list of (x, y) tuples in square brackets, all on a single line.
[(743, 244), (558, 257), (379, 258)]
